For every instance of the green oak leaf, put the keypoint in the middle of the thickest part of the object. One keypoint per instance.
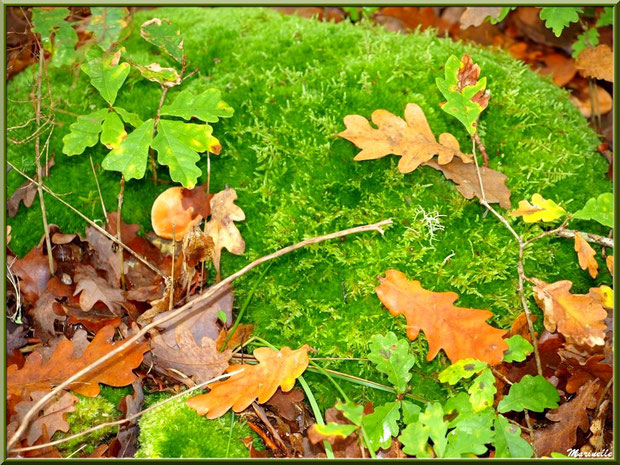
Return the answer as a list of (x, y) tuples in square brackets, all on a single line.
[(106, 74), (606, 18), (518, 349), (178, 144), (84, 132), (589, 38), (391, 356), (433, 418), (381, 425), (106, 24), (63, 52), (414, 439), (351, 411), (599, 209), (113, 131), (45, 21), (167, 77), (508, 442), (411, 412), (557, 18), (128, 117), (207, 106), (533, 393), (459, 404), (472, 428), (459, 102), (131, 155), (335, 430), (462, 369), (482, 390), (165, 35)]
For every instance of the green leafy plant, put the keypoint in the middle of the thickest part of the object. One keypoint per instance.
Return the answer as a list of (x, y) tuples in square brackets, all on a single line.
[(58, 36)]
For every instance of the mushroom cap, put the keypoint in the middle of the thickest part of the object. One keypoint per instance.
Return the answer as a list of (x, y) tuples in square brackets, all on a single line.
[(168, 210)]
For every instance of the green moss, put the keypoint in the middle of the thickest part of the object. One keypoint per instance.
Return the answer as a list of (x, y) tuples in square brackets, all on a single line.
[(175, 430), (291, 81)]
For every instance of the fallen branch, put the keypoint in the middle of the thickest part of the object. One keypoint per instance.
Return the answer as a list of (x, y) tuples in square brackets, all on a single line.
[(185, 308), (589, 237)]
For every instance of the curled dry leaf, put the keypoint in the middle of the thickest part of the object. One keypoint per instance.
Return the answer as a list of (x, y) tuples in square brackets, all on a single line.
[(580, 318), (34, 273), (475, 16), (221, 226), (597, 62), (92, 289), (461, 332), (585, 254), (197, 247), (412, 139), (26, 192), (274, 369)]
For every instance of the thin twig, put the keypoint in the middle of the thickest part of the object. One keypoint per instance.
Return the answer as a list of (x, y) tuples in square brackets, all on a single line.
[(184, 309), (119, 220), (92, 165), (589, 237), (526, 308), (483, 150), (501, 376), (531, 431), (174, 252), (90, 222), (129, 418)]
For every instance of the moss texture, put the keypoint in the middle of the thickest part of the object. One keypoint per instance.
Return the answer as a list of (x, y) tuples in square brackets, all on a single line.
[(291, 81)]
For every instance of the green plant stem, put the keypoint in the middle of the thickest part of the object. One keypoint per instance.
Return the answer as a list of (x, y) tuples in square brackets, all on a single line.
[(232, 424), (317, 413), (121, 193), (245, 306)]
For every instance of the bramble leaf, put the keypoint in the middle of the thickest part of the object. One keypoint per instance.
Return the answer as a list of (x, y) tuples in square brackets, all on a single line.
[(178, 144), (391, 356), (463, 369), (599, 209), (540, 209), (482, 390), (382, 425), (557, 18), (165, 35), (113, 131), (464, 91), (508, 441), (106, 24), (533, 393), (106, 74), (84, 132), (518, 349), (207, 106), (131, 155)]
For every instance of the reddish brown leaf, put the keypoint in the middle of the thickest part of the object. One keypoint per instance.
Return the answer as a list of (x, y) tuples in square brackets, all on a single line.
[(92, 289), (241, 334), (285, 403), (592, 370), (585, 254), (128, 231), (34, 273), (198, 199)]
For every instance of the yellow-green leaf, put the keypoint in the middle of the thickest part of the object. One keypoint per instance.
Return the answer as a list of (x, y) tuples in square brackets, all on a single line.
[(131, 155), (540, 209)]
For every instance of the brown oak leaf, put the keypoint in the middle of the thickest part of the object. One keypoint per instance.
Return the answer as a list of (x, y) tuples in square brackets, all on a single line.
[(26, 192), (34, 273), (585, 254), (92, 289), (275, 368), (475, 16), (411, 138), (461, 332)]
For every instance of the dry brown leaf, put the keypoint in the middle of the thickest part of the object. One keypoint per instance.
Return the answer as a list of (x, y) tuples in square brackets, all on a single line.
[(197, 247), (475, 16), (562, 435), (597, 62), (412, 139), (37, 374), (93, 289), (594, 368), (585, 254), (34, 273), (560, 66), (274, 369), (584, 104), (44, 315), (466, 179), (241, 334), (106, 256), (461, 332), (221, 226), (580, 318), (203, 361), (609, 261), (27, 192)]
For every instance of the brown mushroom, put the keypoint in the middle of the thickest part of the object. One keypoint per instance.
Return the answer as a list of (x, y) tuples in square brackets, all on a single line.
[(168, 210)]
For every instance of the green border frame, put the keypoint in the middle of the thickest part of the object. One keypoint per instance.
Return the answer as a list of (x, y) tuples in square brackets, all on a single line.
[(195, 3)]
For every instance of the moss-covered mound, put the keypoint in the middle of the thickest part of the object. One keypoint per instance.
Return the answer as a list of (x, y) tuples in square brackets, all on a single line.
[(291, 81)]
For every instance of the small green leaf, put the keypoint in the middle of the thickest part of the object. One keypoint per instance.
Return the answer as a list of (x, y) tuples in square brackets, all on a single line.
[(502, 14), (129, 118), (207, 106), (381, 425), (411, 412), (518, 349), (533, 393), (167, 77), (482, 390), (589, 38), (45, 21), (472, 430), (460, 404), (222, 316), (414, 439), (557, 18), (84, 132), (335, 430), (106, 74), (464, 103), (463, 369), (131, 155), (351, 411), (106, 24), (433, 418), (178, 143), (391, 356), (606, 18), (113, 131), (65, 38), (508, 442), (599, 209), (165, 35), (557, 455)]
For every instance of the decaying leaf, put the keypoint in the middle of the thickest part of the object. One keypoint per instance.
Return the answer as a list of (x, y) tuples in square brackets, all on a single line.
[(609, 261), (221, 226), (197, 247), (460, 332), (466, 179), (412, 139), (167, 77), (203, 361), (92, 289), (594, 368), (562, 435), (27, 192), (540, 209), (597, 62), (38, 374), (475, 16), (585, 254), (165, 35), (274, 369), (578, 317), (34, 273), (241, 334)]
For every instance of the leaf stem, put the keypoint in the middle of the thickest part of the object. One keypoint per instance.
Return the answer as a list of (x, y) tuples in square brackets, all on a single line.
[(318, 416)]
